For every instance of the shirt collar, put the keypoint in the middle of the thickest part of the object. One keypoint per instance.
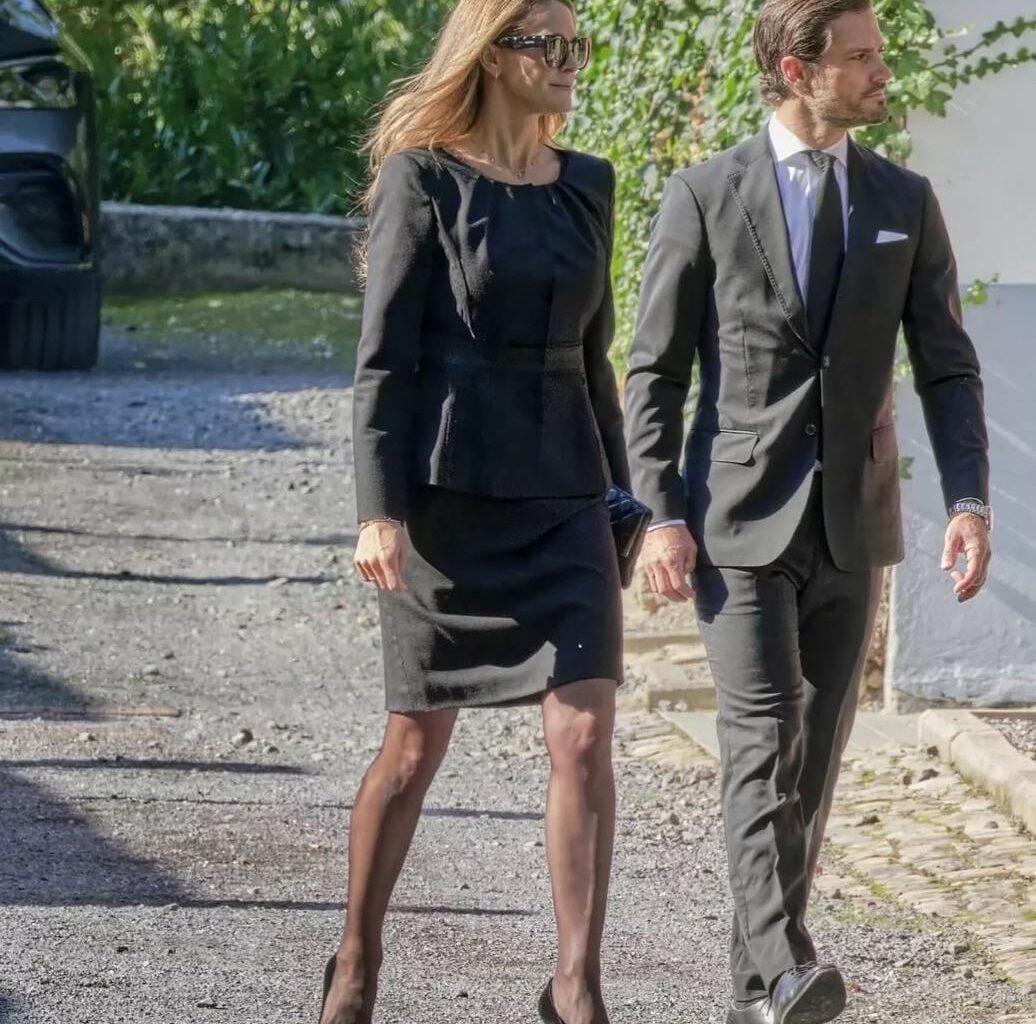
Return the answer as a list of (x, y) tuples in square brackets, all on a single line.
[(786, 144)]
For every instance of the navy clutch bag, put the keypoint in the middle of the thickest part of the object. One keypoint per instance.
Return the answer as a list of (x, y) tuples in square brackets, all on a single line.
[(629, 519)]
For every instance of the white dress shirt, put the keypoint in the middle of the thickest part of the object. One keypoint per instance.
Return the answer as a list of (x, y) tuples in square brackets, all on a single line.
[(799, 181)]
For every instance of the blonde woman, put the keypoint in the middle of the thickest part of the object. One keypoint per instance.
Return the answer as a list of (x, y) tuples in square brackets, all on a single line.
[(486, 432)]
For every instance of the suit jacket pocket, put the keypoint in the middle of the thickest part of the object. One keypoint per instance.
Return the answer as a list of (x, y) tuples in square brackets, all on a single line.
[(884, 447), (737, 446)]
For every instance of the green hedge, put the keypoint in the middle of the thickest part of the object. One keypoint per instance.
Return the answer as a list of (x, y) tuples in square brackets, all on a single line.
[(261, 103), (256, 104)]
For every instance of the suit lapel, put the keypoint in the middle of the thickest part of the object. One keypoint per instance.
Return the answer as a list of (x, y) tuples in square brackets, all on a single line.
[(865, 209), (758, 197)]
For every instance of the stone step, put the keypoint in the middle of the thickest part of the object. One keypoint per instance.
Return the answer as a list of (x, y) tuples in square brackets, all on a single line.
[(666, 682), (640, 641), (872, 731)]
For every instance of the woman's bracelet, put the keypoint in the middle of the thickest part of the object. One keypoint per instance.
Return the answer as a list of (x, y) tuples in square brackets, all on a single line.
[(379, 519)]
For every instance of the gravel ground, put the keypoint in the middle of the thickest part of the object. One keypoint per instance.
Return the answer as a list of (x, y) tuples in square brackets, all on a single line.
[(1021, 731), (177, 537)]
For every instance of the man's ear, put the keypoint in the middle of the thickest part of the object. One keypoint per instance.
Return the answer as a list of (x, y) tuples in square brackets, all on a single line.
[(796, 74)]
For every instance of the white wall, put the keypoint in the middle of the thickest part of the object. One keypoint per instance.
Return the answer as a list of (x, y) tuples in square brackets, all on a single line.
[(982, 162), (984, 651), (981, 158)]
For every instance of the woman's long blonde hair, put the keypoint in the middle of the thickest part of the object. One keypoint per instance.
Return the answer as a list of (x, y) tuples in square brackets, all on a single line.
[(441, 103)]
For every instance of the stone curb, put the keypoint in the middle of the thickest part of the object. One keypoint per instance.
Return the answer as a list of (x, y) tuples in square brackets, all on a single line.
[(984, 756)]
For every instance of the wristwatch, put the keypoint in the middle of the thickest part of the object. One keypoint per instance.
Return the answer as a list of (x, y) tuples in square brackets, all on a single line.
[(975, 508)]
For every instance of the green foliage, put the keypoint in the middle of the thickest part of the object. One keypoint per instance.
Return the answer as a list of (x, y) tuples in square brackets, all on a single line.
[(261, 103), (673, 82), (247, 103)]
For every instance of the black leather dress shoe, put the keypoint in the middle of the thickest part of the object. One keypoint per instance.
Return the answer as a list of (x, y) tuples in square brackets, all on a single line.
[(750, 1013), (808, 994), (548, 1011)]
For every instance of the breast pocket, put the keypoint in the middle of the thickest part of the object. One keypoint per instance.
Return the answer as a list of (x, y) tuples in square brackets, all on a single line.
[(733, 446)]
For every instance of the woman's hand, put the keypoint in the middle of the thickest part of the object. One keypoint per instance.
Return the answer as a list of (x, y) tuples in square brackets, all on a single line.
[(380, 554)]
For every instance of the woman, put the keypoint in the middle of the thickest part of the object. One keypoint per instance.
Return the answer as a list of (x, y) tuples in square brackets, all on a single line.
[(486, 431)]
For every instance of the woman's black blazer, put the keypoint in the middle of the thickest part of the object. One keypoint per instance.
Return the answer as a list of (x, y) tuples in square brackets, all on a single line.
[(450, 393)]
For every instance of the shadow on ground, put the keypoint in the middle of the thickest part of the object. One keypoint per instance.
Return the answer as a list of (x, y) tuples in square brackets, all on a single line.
[(50, 855), (15, 557), (22, 686)]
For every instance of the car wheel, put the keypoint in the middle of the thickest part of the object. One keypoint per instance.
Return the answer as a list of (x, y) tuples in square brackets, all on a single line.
[(59, 333)]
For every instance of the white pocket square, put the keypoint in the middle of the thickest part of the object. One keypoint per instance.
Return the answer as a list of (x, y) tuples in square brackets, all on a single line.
[(890, 236)]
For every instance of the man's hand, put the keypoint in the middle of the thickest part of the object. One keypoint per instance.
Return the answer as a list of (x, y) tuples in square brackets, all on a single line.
[(380, 553), (668, 555), (967, 535)]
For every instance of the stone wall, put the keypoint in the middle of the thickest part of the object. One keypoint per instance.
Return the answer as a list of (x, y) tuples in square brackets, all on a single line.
[(177, 249)]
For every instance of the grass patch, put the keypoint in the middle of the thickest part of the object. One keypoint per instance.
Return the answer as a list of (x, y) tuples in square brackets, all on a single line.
[(262, 323)]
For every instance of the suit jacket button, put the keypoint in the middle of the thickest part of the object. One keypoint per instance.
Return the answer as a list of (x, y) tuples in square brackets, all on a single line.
[(825, 362), (811, 429)]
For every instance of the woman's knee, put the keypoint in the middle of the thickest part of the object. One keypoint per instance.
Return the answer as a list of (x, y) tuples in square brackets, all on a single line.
[(411, 755), (579, 739)]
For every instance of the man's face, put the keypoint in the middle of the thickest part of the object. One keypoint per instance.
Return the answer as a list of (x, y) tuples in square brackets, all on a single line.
[(847, 87)]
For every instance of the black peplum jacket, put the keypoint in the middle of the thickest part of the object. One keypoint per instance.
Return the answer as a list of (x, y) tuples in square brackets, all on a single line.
[(482, 364)]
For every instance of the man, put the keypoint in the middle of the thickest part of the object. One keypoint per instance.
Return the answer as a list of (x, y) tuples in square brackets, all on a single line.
[(787, 264)]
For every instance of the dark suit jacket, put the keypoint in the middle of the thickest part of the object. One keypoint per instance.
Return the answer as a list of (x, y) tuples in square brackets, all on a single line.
[(720, 284), (451, 389)]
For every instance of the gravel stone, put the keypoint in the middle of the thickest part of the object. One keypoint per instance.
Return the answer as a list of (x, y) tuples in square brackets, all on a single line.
[(166, 526), (1020, 731)]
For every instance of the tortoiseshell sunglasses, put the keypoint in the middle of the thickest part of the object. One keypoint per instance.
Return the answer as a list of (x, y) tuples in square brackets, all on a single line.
[(555, 48)]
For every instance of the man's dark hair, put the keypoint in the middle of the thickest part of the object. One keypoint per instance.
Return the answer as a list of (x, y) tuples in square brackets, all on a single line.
[(794, 28)]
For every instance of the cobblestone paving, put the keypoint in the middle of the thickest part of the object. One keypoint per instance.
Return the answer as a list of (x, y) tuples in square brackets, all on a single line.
[(904, 825)]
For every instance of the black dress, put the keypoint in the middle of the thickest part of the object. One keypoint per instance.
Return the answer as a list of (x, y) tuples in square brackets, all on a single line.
[(511, 573)]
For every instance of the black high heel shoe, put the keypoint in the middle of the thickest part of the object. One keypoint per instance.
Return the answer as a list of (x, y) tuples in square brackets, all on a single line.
[(548, 1011), (329, 977)]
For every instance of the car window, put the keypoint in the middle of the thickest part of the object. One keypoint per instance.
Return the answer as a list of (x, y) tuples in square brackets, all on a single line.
[(30, 17)]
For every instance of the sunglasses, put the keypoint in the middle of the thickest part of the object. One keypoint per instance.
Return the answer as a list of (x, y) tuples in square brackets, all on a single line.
[(556, 49)]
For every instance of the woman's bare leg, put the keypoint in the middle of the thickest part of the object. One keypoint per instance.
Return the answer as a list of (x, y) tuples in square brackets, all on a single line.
[(384, 818), (578, 721)]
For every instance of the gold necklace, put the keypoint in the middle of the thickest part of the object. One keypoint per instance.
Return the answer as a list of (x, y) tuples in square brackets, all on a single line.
[(519, 174)]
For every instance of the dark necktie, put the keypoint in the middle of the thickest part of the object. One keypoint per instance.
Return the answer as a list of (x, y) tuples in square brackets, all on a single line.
[(827, 252)]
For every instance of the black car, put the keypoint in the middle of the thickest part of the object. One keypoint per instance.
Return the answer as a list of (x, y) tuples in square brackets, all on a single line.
[(50, 288)]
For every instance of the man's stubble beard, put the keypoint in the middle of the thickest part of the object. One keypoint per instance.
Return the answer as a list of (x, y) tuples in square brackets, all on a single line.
[(840, 114)]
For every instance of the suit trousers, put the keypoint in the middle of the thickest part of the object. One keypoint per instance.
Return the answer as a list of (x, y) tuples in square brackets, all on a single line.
[(787, 643)]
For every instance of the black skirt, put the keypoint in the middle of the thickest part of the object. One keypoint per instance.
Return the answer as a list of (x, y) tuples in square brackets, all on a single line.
[(505, 599)]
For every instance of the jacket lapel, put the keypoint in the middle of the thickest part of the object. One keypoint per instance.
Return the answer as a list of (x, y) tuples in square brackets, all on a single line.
[(758, 196)]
